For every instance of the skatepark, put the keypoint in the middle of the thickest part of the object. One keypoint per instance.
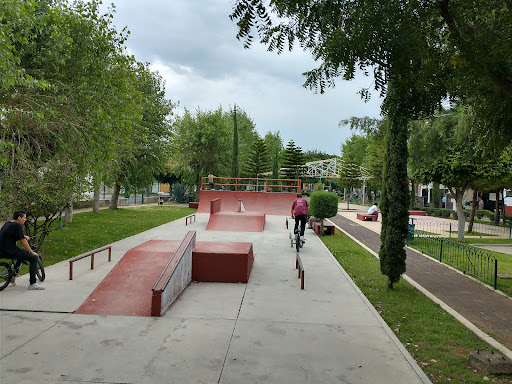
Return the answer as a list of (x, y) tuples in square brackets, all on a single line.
[(267, 330)]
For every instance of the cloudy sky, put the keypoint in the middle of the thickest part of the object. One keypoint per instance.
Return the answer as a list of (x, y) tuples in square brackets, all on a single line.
[(192, 44)]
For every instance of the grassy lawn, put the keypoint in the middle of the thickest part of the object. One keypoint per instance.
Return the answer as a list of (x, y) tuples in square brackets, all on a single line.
[(89, 231), (438, 342)]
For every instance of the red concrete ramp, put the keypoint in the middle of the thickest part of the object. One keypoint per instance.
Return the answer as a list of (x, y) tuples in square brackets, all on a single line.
[(126, 291), (236, 221), (271, 203)]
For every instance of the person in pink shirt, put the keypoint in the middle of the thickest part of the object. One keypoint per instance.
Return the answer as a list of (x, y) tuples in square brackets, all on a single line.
[(300, 211)]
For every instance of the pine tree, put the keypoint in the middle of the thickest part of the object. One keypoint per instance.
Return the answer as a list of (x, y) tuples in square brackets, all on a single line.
[(258, 159), (292, 161), (234, 164)]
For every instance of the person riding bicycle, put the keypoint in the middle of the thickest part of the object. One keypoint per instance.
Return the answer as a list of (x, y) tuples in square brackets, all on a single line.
[(10, 233), (300, 211)]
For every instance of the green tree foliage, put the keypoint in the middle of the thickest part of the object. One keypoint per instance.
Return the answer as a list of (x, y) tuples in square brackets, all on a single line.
[(64, 91), (353, 153), (322, 205), (274, 145), (293, 159), (258, 162), (201, 145)]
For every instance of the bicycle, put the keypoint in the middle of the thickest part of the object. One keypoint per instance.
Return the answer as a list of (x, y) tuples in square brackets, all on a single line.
[(296, 240), (12, 270)]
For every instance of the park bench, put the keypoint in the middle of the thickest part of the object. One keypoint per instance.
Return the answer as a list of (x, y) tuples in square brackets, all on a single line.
[(193, 204), (87, 254), (366, 217), (417, 213), (328, 227)]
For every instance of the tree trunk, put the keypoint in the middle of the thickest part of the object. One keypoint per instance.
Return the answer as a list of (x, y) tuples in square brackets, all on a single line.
[(96, 200), (115, 196), (497, 208), (473, 210), (69, 213), (461, 219)]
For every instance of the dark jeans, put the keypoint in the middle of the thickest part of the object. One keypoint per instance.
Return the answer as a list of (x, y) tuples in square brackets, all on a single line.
[(22, 254), (302, 220)]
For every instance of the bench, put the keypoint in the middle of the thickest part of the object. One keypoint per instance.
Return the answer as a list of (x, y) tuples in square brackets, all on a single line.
[(87, 254), (417, 213), (328, 227), (193, 204), (189, 218), (366, 217)]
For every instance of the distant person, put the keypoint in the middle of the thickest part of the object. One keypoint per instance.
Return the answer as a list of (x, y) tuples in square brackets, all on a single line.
[(10, 233), (300, 212), (443, 202), (373, 211), (210, 180), (481, 204)]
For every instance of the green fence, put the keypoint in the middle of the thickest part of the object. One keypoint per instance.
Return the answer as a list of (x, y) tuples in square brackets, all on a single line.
[(468, 259)]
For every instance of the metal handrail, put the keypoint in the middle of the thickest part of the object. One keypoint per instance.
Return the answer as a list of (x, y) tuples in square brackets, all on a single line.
[(238, 182)]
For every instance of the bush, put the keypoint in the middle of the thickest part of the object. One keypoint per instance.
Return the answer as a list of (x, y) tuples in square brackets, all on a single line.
[(429, 210), (446, 213), (323, 204), (180, 193), (436, 212)]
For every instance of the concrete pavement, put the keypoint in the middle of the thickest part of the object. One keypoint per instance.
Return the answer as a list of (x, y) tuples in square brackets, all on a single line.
[(266, 331)]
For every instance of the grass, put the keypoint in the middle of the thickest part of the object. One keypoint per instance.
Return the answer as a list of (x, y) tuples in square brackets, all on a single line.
[(89, 231), (438, 342)]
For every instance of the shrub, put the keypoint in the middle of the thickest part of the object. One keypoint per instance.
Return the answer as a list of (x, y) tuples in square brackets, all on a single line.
[(429, 210), (180, 193), (323, 204), (446, 213), (436, 212)]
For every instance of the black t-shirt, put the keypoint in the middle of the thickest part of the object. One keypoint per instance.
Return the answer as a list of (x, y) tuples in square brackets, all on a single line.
[(10, 233)]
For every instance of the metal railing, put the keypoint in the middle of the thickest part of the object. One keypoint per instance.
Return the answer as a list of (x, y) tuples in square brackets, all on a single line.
[(449, 228), (252, 184), (468, 259)]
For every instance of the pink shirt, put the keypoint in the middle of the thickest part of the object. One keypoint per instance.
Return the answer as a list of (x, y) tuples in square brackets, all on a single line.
[(300, 207)]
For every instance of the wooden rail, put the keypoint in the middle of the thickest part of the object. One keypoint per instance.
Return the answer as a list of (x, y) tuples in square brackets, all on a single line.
[(300, 267), (87, 254)]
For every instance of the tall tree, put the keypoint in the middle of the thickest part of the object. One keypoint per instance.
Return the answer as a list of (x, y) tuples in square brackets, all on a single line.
[(293, 159), (258, 161), (274, 145), (234, 164)]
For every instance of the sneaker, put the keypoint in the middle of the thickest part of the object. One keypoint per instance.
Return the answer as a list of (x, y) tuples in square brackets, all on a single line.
[(36, 287), (302, 239), (13, 280)]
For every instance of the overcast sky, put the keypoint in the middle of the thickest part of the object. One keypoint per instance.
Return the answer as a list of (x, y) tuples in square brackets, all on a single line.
[(192, 44)]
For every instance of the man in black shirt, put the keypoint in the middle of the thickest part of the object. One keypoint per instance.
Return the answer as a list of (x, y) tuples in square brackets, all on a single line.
[(12, 232)]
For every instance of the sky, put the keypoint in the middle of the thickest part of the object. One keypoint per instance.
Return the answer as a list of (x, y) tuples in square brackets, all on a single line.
[(193, 45)]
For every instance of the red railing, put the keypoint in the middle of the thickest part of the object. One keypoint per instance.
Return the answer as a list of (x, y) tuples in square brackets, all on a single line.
[(252, 184)]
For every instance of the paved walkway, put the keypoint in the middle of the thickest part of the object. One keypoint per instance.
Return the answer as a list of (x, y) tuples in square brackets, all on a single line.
[(489, 310), (266, 331)]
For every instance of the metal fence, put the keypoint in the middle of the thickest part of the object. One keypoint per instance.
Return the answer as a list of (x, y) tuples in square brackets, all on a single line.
[(467, 259), (449, 228)]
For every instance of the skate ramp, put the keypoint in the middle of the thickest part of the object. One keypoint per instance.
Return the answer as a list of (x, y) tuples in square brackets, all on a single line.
[(270, 203), (236, 221), (126, 291)]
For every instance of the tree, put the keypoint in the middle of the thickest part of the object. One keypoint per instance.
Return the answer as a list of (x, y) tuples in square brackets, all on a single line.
[(61, 95), (201, 145), (234, 165), (274, 145), (258, 161), (293, 159)]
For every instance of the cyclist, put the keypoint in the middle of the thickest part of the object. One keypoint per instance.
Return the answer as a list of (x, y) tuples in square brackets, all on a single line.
[(300, 211), (10, 233)]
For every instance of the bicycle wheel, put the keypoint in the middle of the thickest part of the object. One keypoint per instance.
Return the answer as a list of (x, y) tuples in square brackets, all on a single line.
[(5, 275), (297, 241), (40, 270)]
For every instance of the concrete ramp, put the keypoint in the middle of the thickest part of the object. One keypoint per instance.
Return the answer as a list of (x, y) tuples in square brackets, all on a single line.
[(236, 221), (126, 291), (271, 203)]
